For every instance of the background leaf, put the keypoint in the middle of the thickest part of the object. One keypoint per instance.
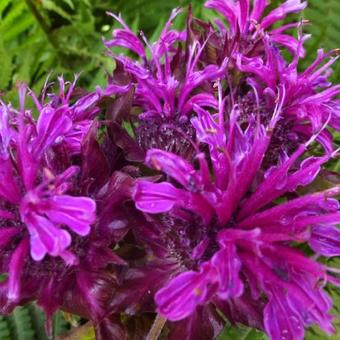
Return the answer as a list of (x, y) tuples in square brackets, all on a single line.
[(28, 323)]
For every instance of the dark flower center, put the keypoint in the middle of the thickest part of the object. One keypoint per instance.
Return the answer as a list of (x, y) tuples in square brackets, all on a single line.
[(55, 266), (182, 236), (173, 134), (283, 138)]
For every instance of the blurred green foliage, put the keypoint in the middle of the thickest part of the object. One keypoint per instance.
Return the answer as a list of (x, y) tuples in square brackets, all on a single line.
[(27, 323), (65, 36)]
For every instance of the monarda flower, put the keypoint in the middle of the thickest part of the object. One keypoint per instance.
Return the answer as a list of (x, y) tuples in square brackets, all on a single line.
[(231, 232), (34, 200), (52, 249), (76, 115), (248, 24), (167, 84), (310, 99), (256, 68)]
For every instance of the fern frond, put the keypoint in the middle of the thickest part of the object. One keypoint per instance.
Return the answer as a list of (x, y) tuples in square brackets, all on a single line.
[(6, 67)]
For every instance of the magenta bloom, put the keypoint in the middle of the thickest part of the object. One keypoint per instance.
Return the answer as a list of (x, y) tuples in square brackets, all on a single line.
[(167, 84), (70, 123), (45, 208), (49, 248), (34, 202), (163, 88), (310, 98), (243, 254), (247, 24)]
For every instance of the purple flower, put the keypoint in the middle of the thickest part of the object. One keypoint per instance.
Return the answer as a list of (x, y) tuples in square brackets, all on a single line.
[(56, 239), (167, 85), (40, 216), (46, 207), (256, 68), (310, 99), (243, 246), (251, 25), (60, 122)]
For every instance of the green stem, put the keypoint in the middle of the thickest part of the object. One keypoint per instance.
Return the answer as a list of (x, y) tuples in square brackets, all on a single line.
[(156, 328), (41, 22)]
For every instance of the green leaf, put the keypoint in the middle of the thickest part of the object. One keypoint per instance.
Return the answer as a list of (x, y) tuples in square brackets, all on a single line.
[(241, 333), (50, 5), (60, 325), (3, 5), (24, 23), (325, 28), (11, 18), (5, 331), (28, 323), (6, 67), (69, 3)]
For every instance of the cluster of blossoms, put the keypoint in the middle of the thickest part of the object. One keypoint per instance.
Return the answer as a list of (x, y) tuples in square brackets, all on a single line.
[(182, 189)]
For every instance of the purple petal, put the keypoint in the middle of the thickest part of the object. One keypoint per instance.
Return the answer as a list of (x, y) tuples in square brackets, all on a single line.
[(75, 137), (278, 182), (285, 213), (78, 213), (202, 100), (183, 294), (45, 237), (125, 38), (279, 13), (194, 79), (15, 269), (311, 302), (227, 8), (82, 105), (243, 14), (174, 166), (325, 240), (258, 8), (6, 235), (156, 197), (134, 68), (290, 42), (162, 197), (6, 132), (27, 162), (8, 187), (227, 266), (208, 130), (51, 125), (281, 321), (257, 66)]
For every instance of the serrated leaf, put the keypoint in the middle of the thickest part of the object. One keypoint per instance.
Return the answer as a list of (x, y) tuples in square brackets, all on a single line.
[(24, 23), (21, 324), (51, 6), (28, 323), (16, 10)]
